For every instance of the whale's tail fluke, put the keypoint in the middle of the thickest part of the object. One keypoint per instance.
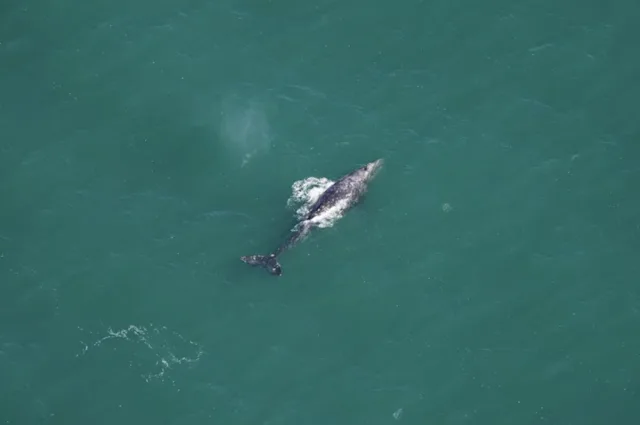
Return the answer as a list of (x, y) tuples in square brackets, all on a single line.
[(269, 262)]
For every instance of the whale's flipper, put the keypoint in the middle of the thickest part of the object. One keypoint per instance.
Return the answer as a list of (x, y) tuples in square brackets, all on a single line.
[(269, 262)]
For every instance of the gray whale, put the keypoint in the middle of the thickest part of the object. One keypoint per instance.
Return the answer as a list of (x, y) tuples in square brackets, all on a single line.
[(339, 197)]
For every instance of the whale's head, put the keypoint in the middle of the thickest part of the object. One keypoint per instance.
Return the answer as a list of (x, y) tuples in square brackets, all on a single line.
[(369, 171)]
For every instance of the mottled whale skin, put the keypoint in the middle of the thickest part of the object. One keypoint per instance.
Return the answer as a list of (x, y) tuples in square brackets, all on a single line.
[(339, 197)]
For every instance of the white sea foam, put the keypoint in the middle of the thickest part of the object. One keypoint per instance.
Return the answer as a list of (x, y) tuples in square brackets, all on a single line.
[(166, 348), (306, 192)]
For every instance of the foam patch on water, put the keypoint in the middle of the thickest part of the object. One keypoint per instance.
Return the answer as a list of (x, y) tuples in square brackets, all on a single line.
[(305, 193), (165, 349)]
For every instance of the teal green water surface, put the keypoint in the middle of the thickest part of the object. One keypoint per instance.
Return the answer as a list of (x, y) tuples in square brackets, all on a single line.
[(490, 276)]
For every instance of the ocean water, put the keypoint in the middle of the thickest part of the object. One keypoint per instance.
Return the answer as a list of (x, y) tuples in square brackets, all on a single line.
[(490, 275)]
